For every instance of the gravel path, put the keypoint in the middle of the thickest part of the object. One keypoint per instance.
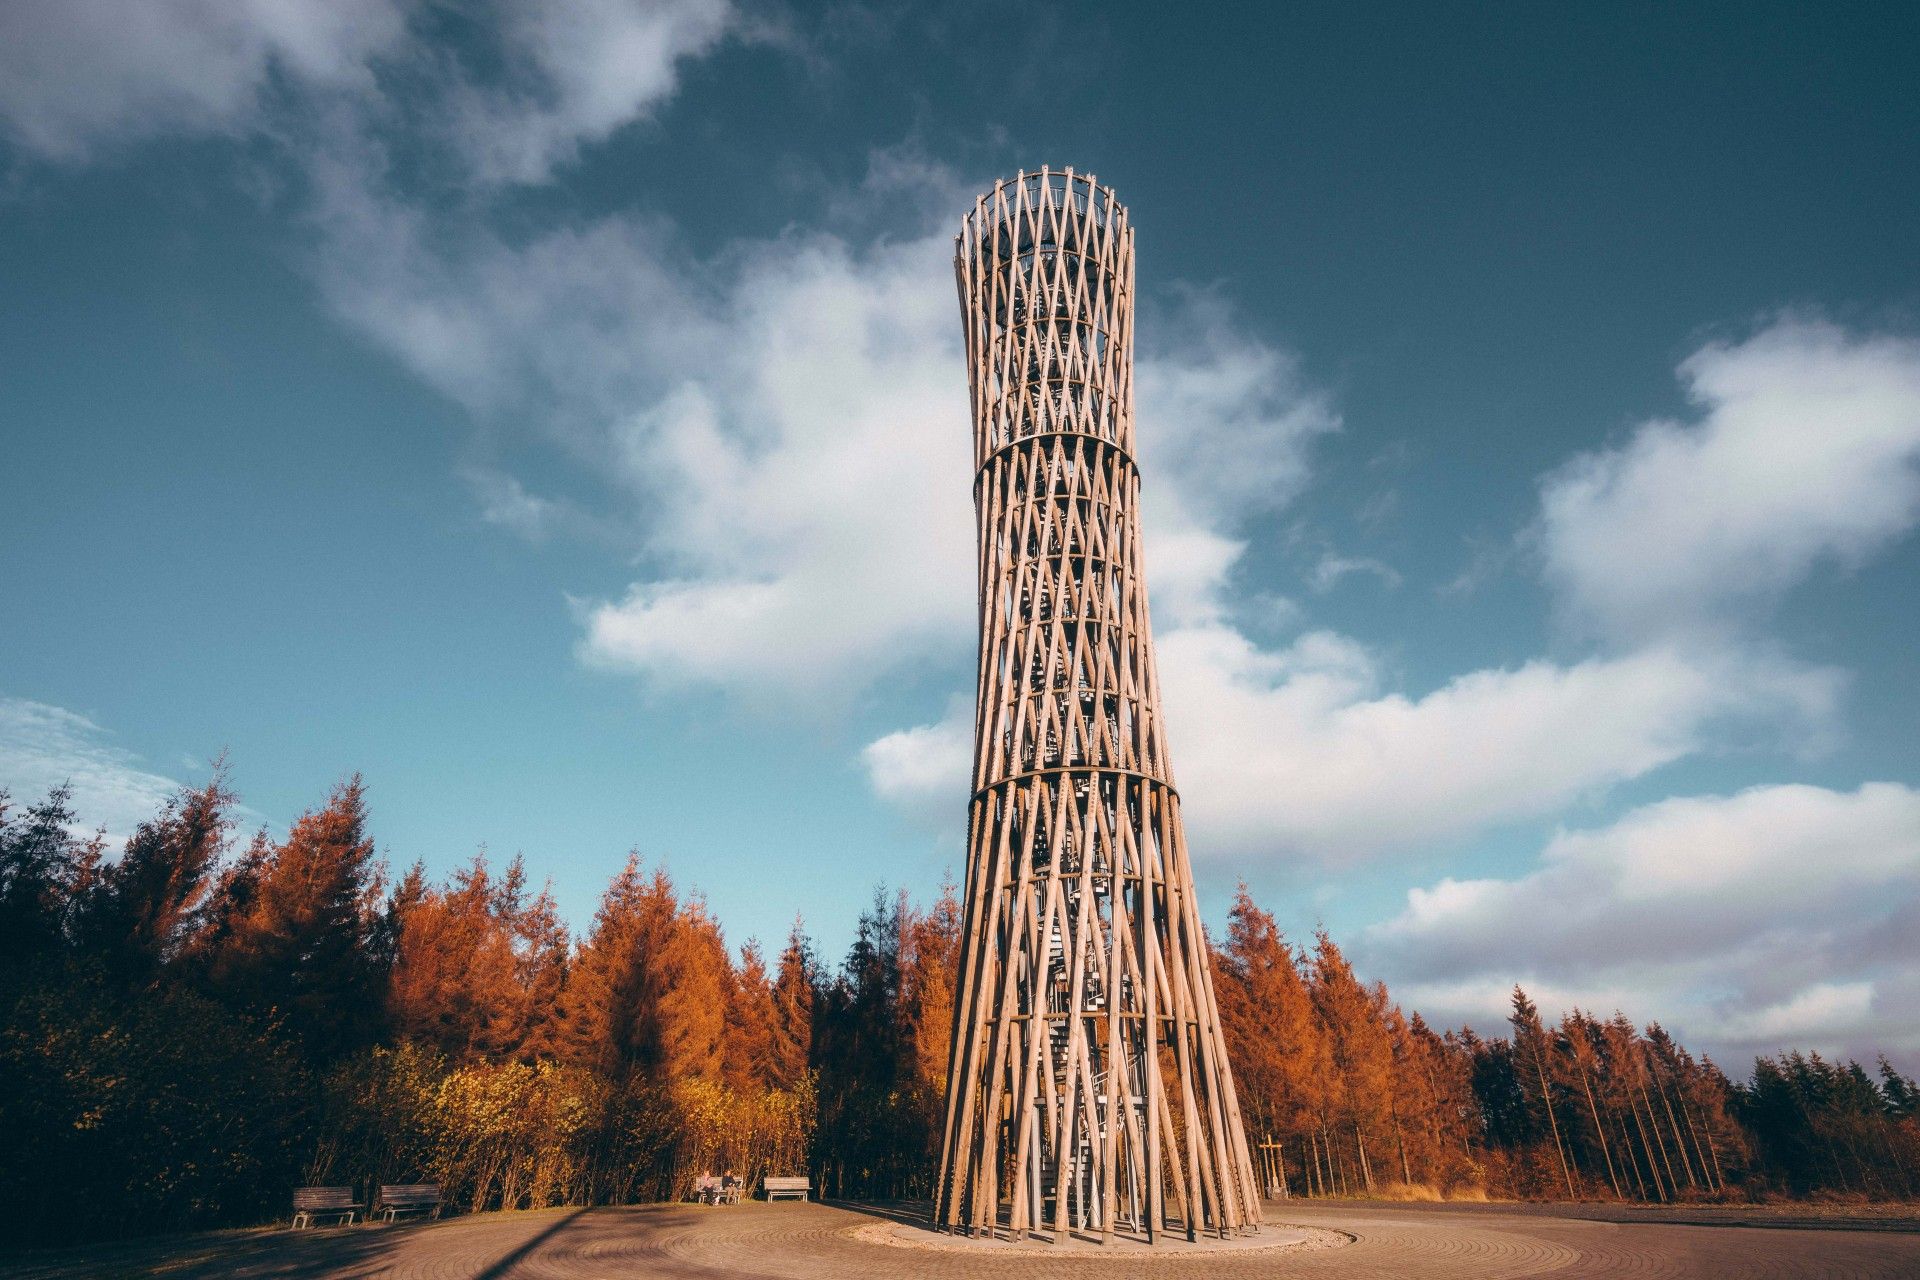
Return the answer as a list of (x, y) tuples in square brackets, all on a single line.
[(813, 1242)]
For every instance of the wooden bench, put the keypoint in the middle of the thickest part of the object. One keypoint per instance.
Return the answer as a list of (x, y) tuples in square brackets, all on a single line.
[(791, 1188), (412, 1197), (325, 1202)]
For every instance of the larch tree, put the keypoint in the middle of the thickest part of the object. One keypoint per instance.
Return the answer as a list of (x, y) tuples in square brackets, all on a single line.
[(302, 930), (795, 983), (1531, 1050), (1281, 1056), (930, 952), (1354, 1018), (750, 1018), (143, 908), (456, 982)]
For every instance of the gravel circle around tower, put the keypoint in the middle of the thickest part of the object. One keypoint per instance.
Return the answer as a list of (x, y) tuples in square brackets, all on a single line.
[(1270, 1236)]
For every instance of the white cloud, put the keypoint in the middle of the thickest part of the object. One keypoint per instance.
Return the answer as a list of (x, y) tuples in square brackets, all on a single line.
[(924, 769), (1807, 449), (1226, 425), (1332, 567), (1296, 752), (809, 481), (577, 70), (505, 502), (76, 74), (1225, 421), (80, 75), (1299, 752), (1780, 916), (790, 417), (42, 747)]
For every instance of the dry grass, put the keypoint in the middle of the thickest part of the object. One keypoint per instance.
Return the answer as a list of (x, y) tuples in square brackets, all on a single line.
[(1425, 1193)]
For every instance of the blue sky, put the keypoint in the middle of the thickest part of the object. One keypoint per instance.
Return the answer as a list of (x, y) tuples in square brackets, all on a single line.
[(555, 412)]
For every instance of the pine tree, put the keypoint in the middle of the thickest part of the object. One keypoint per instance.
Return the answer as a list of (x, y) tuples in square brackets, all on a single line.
[(41, 866)]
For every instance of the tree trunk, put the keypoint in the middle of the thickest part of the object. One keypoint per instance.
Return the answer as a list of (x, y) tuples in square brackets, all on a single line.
[(1653, 1123), (1714, 1151), (1600, 1132), (1653, 1168), (1553, 1125), (1393, 1111), (1699, 1152), (1678, 1142), (1633, 1161)]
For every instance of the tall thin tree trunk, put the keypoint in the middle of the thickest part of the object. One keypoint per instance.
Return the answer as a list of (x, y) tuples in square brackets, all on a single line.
[(1633, 1161), (1699, 1152), (1653, 1167), (1600, 1131), (1393, 1111), (1678, 1142), (1714, 1151), (1653, 1123), (1366, 1168), (1553, 1124), (1338, 1157)]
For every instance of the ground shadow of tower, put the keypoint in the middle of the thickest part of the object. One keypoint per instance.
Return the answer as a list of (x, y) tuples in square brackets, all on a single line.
[(1088, 1086)]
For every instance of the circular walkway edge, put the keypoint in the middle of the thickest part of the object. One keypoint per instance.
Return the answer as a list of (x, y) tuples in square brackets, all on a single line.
[(1270, 1236)]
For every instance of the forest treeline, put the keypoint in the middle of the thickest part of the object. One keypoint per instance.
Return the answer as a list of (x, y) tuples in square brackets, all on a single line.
[(190, 1026)]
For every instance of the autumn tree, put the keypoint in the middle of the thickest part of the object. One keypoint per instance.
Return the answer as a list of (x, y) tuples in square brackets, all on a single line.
[(648, 991), (1282, 1062), (930, 953), (1353, 1017), (1530, 1051), (302, 927), (790, 1025), (478, 965), (141, 909)]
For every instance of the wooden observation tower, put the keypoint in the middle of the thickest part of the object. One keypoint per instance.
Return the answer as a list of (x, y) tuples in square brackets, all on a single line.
[(1088, 1088)]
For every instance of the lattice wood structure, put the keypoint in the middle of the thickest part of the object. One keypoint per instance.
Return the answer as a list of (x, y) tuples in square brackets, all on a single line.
[(1088, 1087)]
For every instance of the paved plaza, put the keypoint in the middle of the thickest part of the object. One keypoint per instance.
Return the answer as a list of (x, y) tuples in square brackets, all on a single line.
[(808, 1241)]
